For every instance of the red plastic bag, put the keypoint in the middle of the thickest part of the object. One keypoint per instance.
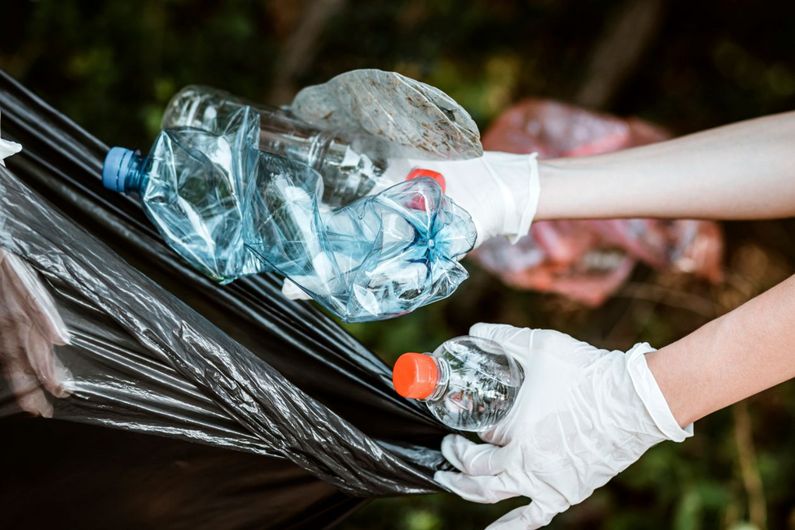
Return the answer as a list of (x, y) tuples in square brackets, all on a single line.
[(589, 260)]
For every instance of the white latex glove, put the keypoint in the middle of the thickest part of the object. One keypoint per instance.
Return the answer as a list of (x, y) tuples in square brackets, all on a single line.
[(499, 191), (582, 416)]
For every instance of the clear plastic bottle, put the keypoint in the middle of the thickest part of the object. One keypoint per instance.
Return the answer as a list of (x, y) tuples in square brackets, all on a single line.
[(346, 173), (468, 383), (190, 190)]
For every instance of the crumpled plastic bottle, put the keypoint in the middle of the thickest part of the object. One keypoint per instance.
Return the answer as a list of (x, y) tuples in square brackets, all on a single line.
[(383, 255), (347, 174), (230, 210), (347, 128)]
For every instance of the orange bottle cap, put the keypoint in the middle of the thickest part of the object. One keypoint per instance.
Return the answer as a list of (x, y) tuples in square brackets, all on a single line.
[(415, 375), (419, 172)]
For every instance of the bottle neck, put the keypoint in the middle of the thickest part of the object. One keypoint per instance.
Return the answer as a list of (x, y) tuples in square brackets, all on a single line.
[(444, 378), (135, 180)]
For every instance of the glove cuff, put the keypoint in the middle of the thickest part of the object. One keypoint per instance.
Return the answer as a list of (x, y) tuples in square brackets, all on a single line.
[(652, 397), (516, 178)]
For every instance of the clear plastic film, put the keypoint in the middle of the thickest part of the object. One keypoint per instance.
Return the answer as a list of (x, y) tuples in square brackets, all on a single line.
[(30, 327), (389, 114), (224, 406), (231, 210), (589, 260)]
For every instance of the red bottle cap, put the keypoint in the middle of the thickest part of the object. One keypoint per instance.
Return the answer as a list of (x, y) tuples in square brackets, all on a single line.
[(419, 202), (415, 375), (419, 172)]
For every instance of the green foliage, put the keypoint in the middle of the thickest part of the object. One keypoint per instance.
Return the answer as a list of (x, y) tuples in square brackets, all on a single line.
[(112, 66)]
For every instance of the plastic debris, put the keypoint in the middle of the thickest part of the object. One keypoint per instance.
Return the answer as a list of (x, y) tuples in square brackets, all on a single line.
[(589, 260), (391, 115), (231, 210), (189, 404)]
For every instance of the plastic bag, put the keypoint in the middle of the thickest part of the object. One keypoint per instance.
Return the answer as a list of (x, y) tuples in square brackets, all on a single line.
[(218, 406), (30, 327), (391, 115), (589, 260)]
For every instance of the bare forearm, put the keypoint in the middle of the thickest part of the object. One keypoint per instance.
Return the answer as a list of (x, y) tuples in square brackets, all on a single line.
[(740, 354), (740, 171)]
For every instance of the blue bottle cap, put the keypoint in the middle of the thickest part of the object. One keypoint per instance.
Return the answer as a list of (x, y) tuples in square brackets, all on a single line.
[(121, 166)]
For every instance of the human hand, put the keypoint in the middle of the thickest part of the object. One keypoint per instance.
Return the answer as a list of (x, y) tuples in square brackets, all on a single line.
[(582, 416), (29, 328), (499, 191)]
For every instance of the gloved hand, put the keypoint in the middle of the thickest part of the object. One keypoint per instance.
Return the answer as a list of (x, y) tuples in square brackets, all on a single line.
[(582, 416), (499, 191), (29, 328)]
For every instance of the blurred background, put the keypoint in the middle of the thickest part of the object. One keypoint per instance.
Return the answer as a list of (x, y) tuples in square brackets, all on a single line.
[(684, 66)]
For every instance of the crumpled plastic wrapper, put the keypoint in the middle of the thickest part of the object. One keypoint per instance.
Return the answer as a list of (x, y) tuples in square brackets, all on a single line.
[(554, 129), (390, 115), (589, 260)]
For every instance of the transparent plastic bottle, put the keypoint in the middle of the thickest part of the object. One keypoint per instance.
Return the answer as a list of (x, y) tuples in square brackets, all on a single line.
[(346, 173), (468, 383), (190, 191)]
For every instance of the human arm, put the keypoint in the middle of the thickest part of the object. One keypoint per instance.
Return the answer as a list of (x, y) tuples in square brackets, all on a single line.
[(739, 171), (584, 414), (735, 356)]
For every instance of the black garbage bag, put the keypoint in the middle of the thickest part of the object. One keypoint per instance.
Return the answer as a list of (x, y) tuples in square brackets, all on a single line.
[(180, 403)]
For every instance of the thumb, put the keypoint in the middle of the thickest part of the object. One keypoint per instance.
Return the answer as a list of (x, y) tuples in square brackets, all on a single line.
[(472, 458), (529, 517), (486, 489), (517, 339), (293, 292)]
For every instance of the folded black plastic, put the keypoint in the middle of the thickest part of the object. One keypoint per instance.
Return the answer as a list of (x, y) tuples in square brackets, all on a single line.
[(261, 393)]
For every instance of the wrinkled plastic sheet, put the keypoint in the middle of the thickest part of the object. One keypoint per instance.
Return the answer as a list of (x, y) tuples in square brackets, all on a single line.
[(391, 115), (261, 394), (589, 260)]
